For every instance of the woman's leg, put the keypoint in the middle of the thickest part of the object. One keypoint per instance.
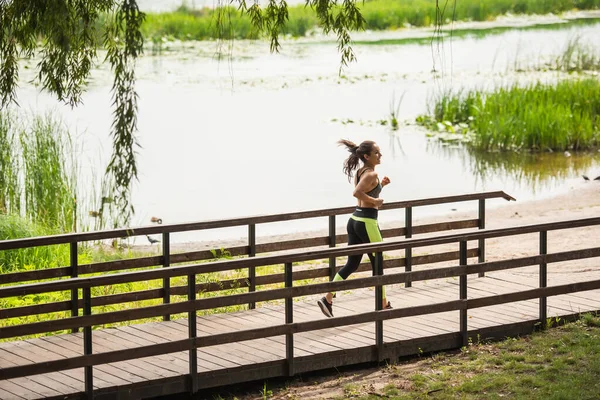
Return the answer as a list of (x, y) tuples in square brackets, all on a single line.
[(353, 261), (369, 232)]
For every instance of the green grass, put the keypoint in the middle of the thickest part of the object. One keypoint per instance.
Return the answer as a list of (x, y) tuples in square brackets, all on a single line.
[(11, 227), (537, 117), (228, 23), (560, 363)]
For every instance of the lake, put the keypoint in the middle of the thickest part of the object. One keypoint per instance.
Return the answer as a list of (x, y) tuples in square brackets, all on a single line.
[(251, 132)]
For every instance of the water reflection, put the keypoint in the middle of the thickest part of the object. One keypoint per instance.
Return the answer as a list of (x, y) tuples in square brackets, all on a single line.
[(537, 171)]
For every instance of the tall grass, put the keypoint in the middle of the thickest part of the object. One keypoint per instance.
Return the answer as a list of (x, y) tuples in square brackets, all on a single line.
[(10, 192), (538, 117), (38, 171), (49, 175), (37, 189), (189, 24)]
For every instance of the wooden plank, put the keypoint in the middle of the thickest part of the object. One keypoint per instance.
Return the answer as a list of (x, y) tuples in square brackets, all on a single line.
[(38, 275), (304, 346), (253, 318), (352, 337), (564, 307), (128, 371), (166, 333), (450, 291), (313, 339), (159, 362), (30, 389), (274, 345), (522, 282), (527, 307), (76, 374), (10, 386), (5, 395), (241, 349), (102, 373), (205, 356), (179, 360), (14, 386), (146, 369), (34, 354)]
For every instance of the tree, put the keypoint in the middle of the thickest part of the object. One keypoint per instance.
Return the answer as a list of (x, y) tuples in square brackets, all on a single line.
[(68, 33)]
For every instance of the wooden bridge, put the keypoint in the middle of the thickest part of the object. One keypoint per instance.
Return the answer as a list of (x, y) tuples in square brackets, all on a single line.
[(278, 330)]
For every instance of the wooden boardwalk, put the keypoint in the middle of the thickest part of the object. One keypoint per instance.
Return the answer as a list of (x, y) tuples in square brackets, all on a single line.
[(266, 358)]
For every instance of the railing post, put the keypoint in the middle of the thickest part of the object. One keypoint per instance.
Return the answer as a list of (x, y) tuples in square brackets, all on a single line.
[(74, 274), (379, 306), (252, 270), (463, 294), (87, 344), (166, 250), (543, 277), (289, 318), (481, 242), (408, 250), (192, 335), (331, 244)]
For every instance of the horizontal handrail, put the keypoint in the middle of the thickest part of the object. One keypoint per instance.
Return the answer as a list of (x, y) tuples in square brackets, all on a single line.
[(290, 328), (291, 292), (225, 265), (151, 294), (144, 262), (169, 228)]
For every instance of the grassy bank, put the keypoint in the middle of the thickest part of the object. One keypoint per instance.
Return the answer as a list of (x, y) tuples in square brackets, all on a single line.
[(537, 117), (562, 363), (229, 23), (559, 363)]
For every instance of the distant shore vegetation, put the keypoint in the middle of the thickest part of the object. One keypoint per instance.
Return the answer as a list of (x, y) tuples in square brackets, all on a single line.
[(186, 23)]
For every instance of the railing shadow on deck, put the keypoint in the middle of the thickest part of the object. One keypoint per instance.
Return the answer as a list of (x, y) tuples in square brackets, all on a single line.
[(168, 259), (289, 328)]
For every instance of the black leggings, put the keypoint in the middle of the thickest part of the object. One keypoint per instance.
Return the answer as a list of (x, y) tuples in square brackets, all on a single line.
[(362, 228)]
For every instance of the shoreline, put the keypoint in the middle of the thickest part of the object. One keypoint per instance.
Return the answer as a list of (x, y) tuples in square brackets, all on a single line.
[(582, 200)]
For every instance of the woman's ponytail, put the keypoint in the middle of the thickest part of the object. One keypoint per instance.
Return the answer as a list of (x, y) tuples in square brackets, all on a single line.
[(356, 155)]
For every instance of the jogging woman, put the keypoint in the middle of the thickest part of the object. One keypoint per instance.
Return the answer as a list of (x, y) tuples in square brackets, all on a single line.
[(362, 226)]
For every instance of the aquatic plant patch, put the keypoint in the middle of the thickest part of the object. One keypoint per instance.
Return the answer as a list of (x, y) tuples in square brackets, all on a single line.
[(537, 117)]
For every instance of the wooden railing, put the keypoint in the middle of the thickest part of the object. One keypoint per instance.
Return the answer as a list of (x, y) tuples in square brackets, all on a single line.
[(168, 258), (290, 328)]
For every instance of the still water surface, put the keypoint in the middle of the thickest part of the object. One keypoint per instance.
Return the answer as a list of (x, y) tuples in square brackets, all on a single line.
[(255, 133)]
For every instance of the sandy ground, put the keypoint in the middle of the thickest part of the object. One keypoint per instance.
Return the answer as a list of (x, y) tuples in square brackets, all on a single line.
[(581, 201)]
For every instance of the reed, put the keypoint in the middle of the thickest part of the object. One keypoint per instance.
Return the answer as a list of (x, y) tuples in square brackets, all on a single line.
[(10, 190), (49, 174), (537, 117), (577, 57)]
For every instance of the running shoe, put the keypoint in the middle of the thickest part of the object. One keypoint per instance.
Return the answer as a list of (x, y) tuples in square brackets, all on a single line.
[(326, 307)]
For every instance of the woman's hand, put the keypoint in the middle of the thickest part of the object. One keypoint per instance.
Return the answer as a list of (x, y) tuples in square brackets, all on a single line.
[(378, 203), (385, 181)]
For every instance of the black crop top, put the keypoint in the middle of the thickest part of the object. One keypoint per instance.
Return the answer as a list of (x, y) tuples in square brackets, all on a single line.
[(373, 192)]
